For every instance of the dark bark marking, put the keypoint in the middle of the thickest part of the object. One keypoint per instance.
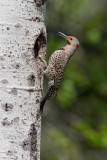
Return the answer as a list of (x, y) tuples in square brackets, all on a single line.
[(6, 122), (2, 58), (31, 79), (38, 3), (35, 19), (18, 25), (26, 32), (16, 65), (10, 153), (20, 106), (7, 107), (4, 81), (15, 120), (37, 101), (33, 141), (25, 145), (8, 28), (13, 91), (30, 90), (38, 116)]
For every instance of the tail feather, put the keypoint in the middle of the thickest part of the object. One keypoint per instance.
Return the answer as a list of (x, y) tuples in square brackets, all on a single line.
[(55, 93), (47, 97)]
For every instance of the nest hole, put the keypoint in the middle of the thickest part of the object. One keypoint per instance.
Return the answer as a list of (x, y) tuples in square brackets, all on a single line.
[(39, 44)]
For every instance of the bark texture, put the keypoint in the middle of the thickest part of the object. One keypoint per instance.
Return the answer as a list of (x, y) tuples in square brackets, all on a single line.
[(22, 44)]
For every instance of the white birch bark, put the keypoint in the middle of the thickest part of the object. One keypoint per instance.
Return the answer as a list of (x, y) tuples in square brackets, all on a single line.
[(21, 23)]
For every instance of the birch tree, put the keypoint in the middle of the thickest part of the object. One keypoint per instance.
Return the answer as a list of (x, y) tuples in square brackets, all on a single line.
[(22, 50)]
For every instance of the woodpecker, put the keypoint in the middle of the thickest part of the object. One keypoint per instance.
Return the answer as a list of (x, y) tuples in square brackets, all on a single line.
[(57, 65)]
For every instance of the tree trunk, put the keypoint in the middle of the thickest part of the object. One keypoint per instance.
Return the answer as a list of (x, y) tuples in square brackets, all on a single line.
[(22, 48)]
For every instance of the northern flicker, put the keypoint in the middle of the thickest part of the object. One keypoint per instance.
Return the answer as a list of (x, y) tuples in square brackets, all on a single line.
[(56, 66)]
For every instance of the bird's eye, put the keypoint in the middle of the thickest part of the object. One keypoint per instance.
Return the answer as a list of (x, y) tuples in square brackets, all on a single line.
[(70, 38)]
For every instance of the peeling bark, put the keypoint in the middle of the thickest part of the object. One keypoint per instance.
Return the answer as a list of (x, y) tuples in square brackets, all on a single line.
[(22, 46)]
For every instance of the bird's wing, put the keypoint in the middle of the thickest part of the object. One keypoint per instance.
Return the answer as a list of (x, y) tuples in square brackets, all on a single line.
[(60, 64)]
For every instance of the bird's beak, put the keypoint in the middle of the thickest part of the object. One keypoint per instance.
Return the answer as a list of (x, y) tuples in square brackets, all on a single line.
[(62, 35)]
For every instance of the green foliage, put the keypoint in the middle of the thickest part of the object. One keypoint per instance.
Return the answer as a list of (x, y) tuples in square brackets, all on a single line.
[(95, 138), (67, 99), (79, 114), (93, 36), (60, 139)]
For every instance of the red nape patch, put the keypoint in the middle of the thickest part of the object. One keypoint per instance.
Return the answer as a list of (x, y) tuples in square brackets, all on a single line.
[(77, 46)]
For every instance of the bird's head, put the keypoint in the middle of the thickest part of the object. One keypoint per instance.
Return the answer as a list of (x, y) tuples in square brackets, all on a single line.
[(70, 40)]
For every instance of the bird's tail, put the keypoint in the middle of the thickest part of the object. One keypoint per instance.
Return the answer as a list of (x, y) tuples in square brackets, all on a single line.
[(47, 97), (55, 93)]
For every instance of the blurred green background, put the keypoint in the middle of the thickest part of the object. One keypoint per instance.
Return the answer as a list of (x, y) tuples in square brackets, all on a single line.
[(74, 125)]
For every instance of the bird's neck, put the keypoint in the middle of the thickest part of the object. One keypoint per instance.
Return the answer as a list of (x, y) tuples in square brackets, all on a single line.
[(69, 50)]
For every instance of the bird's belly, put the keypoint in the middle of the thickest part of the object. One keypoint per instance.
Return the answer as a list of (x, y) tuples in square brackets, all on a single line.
[(50, 72)]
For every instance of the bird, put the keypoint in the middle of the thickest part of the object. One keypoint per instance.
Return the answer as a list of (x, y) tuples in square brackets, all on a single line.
[(57, 65)]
